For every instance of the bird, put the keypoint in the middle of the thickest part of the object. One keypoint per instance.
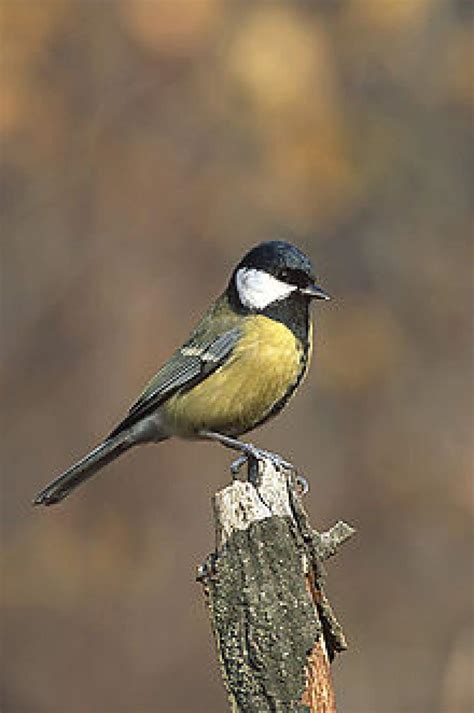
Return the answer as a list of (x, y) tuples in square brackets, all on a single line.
[(239, 367)]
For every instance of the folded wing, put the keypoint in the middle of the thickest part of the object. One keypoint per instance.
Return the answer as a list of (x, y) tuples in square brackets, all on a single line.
[(188, 366)]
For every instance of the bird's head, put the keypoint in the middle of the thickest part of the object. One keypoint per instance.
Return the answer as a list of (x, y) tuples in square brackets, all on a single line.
[(272, 272)]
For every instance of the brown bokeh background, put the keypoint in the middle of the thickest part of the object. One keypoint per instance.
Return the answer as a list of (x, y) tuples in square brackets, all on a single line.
[(146, 145)]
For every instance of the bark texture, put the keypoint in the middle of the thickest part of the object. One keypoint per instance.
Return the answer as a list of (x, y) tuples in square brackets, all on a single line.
[(275, 631)]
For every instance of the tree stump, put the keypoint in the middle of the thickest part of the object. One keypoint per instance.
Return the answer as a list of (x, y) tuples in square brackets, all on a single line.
[(274, 628)]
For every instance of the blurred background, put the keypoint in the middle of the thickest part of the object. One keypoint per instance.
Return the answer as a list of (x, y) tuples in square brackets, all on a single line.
[(146, 145)]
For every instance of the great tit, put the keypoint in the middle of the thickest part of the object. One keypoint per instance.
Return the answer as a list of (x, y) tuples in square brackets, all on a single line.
[(239, 367)]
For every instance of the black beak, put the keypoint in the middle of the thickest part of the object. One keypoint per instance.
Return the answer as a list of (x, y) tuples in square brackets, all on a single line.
[(315, 292)]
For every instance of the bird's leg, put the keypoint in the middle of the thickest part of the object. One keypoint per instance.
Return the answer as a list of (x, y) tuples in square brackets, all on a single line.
[(248, 451)]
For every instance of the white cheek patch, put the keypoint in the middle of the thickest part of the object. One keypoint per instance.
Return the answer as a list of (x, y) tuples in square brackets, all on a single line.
[(257, 288)]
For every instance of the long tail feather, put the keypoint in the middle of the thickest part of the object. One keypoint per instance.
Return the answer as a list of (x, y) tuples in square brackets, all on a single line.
[(84, 469)]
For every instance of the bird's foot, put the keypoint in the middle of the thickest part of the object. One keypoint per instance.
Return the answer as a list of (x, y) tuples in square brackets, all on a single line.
[(252, 453), (253, 456)]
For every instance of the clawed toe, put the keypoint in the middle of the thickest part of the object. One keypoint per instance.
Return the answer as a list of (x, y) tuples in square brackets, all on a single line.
[(275, 459), (302, 484), (237, 464)]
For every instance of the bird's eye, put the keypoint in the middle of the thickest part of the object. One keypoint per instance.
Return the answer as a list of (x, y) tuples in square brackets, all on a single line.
[(294, 277)]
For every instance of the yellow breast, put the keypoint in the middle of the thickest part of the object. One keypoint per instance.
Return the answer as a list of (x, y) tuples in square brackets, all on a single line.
[(265, 364)]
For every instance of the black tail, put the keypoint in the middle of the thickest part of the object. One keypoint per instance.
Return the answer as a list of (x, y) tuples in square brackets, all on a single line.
[(78, 473)]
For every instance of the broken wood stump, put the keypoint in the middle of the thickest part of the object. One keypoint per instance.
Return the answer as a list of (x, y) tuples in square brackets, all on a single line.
[(275, 631)]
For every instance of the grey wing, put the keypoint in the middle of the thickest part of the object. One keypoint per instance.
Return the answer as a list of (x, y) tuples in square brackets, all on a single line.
[(186, 368)]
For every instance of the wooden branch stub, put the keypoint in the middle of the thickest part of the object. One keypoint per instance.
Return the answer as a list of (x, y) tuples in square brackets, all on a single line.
[(330, 541), (274, 629)]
